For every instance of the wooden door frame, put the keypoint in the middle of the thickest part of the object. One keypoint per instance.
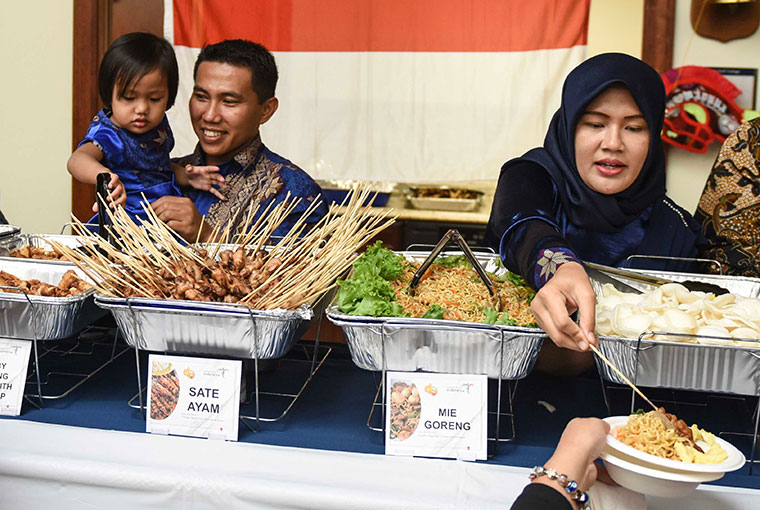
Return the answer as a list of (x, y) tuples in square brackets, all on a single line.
[(91, 21)]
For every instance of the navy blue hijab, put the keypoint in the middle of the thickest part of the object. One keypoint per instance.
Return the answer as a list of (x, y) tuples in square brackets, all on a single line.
[(585, 207)]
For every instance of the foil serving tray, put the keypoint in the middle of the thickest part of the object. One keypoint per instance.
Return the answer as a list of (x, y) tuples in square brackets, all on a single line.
[(223, 329), (38, 241), (437, 345), (690, 366), (46, 318)]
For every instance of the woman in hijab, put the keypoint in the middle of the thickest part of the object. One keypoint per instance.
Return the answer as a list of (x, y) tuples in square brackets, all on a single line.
[(594, 192)]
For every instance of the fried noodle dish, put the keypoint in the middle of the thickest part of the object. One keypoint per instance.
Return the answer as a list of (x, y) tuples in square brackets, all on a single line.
[(664, 435), (461, 294), (450, 289)]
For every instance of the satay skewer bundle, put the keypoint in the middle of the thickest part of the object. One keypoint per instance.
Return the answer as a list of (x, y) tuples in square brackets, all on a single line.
[(151, 261)]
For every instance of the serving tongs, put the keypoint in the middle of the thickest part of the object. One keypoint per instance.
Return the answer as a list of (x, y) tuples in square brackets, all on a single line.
[(454, 235), (104, 218), (656, 281)]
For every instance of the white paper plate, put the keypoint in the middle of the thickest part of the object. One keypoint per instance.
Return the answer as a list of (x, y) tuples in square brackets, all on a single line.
[(734, 461), (630, 473)]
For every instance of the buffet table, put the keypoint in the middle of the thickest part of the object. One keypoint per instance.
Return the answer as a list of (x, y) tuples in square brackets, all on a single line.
[(71, 467), (90, 448)]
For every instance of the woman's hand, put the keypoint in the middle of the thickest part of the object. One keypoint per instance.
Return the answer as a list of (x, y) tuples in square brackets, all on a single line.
[(568, 290), (117, 195), (582, 442), (206, 178)]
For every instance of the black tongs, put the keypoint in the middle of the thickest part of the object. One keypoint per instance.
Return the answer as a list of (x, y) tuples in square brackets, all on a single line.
[(101, 195), (454, 235), (655, 281)]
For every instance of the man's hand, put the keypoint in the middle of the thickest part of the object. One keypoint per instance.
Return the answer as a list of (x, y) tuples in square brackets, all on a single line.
[(180, 214), (567, 291)]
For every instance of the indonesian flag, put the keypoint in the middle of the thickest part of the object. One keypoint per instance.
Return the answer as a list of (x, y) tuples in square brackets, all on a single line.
[(395, 90)]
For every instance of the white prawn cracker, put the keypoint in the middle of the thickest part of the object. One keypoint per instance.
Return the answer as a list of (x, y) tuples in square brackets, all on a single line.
[(672, 308)]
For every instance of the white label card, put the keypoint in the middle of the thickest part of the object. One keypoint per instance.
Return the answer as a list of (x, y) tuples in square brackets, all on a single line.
[(436, 415), (14, 361), (197, 397)]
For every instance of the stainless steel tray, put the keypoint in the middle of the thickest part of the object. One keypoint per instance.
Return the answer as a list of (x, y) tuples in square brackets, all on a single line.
[(37, 241), (691, 366), (444, 204), (412, 344), (46, 318), (206, 328)]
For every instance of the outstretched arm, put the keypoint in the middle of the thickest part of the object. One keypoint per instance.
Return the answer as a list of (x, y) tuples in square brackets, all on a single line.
[(84, 165), (567, 291)]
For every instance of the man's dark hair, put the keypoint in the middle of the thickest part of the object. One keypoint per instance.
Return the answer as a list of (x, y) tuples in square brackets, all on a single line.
[(247, 54), (131, 57)]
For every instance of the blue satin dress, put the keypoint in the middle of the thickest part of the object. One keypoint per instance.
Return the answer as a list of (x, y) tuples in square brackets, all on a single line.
[(140, 160)]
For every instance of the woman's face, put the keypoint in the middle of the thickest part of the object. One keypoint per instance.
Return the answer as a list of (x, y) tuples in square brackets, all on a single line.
[(611, 142)]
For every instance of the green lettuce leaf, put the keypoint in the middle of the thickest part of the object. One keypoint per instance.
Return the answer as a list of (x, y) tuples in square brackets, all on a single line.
[(434, 312)]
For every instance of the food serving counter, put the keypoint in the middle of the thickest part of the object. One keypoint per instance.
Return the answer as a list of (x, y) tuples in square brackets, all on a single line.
[(328, 425), (68, 467)]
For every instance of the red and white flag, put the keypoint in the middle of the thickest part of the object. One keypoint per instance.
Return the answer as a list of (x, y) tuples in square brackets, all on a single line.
[(395, 90)]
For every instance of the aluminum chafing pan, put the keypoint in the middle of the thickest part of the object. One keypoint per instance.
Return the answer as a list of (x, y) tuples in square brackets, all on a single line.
[(444, 346), (46, 318), (660, 363), (206, 328), (37, 241)]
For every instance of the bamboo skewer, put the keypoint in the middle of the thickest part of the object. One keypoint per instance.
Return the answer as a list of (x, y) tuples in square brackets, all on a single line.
[(618, 372), (310, 255)]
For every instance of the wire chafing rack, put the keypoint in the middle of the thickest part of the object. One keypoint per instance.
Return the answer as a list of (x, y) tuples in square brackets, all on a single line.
[(60, 329), (224, 330)]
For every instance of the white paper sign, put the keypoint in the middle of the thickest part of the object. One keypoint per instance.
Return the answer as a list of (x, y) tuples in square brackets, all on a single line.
[(196, 397), (436, 415), (14, 361)]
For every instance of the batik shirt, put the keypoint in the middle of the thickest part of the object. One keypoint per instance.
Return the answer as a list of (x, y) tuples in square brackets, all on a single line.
[(729, 209), (255, 175), (140, 160)]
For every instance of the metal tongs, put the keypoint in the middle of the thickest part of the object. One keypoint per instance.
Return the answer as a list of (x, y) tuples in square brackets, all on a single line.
[(101, 195), (454, 235), (655, 281)]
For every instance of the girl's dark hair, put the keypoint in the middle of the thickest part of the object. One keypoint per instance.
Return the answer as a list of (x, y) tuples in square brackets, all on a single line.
[(246, 54), (131, 57)]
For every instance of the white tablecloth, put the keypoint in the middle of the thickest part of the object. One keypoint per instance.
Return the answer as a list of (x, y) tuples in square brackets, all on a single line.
[(61, 467)]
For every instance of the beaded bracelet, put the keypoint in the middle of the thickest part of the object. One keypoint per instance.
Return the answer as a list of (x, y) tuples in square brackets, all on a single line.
[(570, 486)]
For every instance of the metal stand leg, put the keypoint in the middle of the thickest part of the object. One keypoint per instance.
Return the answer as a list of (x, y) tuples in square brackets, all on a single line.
[(315, 360), (754, 436)]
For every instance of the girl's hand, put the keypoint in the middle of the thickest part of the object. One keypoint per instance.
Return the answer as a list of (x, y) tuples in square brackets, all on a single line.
[(206, 178), (117, 194), (568, 290)]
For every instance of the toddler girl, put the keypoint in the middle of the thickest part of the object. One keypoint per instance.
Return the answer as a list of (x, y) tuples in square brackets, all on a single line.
[(130, 138)]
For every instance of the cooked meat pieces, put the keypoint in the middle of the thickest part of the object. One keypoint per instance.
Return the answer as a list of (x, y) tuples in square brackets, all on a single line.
[(230, 278), (29, 252), (69, 285)]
